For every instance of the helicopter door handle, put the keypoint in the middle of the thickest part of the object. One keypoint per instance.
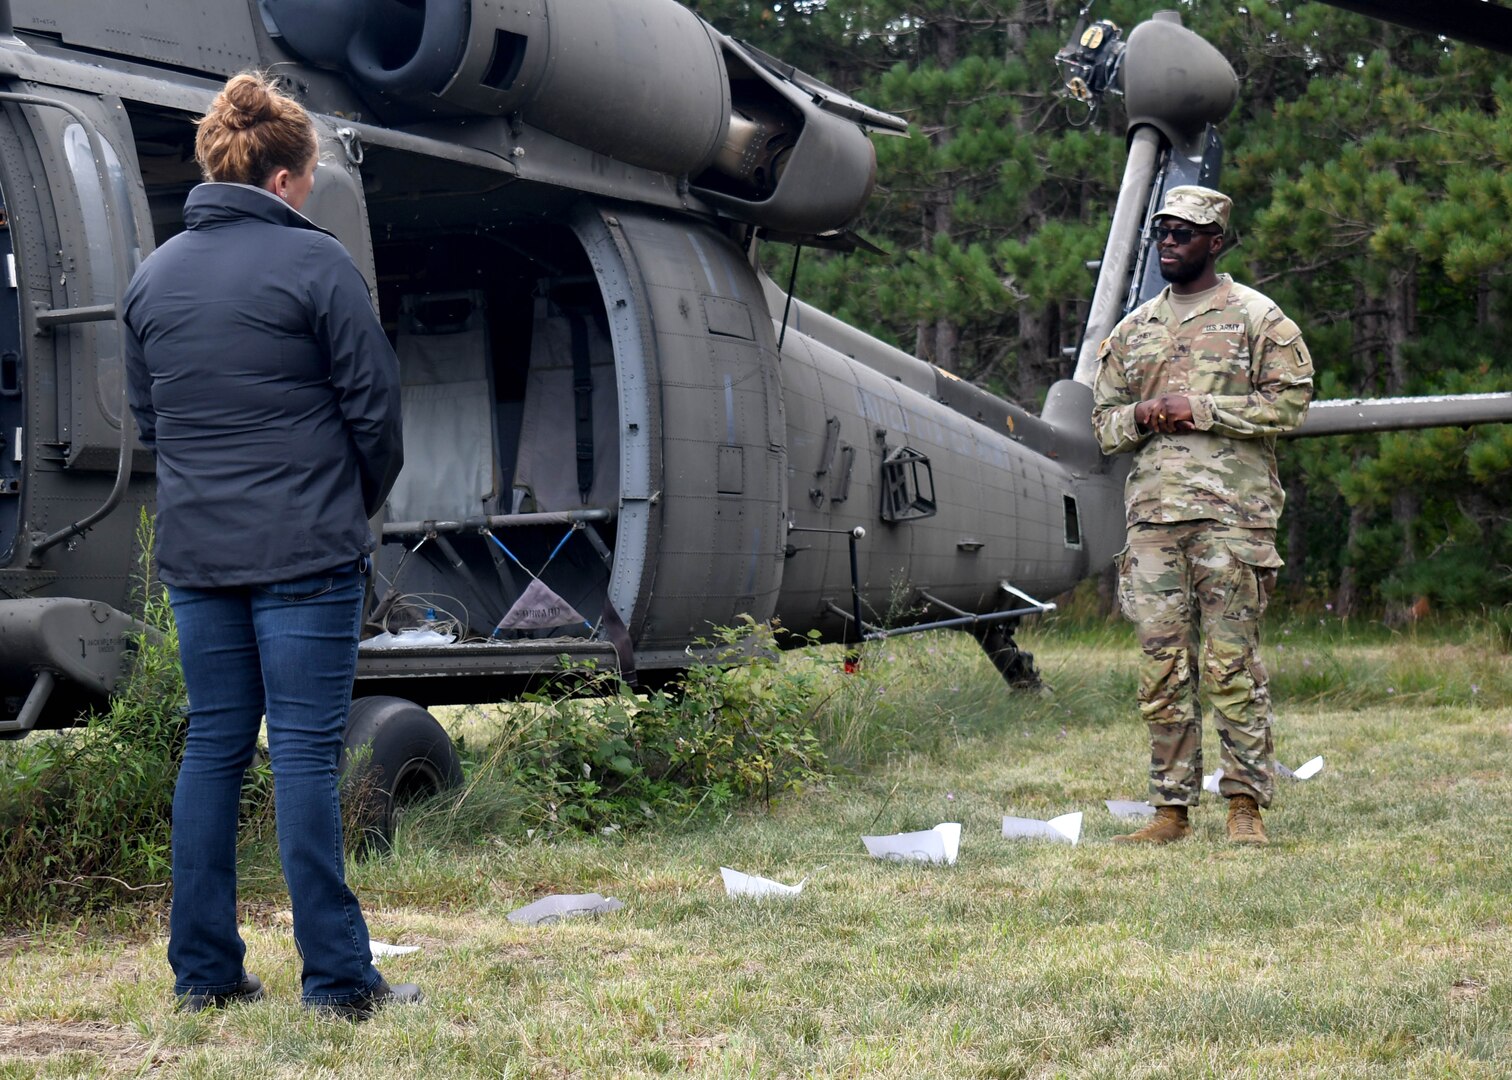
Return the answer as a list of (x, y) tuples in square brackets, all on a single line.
[(847, 467), (47, 318), (831, 443)]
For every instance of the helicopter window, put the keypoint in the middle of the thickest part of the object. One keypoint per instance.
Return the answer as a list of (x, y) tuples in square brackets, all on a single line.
[(1073, 522), (92, 210), (907, 486)]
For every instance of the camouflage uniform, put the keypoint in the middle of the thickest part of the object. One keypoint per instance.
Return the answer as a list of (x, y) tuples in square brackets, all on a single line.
[(1202, 511)]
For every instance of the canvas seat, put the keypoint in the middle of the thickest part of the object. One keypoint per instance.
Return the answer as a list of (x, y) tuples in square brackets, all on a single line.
[(451, 458)]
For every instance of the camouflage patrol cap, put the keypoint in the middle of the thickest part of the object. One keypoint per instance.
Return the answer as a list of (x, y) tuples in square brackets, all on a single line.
[(1199, 205)]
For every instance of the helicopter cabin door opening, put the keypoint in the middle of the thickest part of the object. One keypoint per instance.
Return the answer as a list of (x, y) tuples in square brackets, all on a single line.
[(503, 523), (507, 377), (510, 482)]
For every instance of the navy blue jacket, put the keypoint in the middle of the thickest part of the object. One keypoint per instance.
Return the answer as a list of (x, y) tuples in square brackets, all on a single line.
[(259, 372)]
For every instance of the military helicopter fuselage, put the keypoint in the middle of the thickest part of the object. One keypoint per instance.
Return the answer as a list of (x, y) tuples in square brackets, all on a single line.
[(558, 225), (619, 433)]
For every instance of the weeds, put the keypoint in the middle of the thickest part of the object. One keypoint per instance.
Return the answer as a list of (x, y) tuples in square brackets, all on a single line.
[(85, 815), (736, 726)]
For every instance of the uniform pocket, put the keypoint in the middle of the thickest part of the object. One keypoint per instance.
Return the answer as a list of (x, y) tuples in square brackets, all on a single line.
[(1124, 589), (1256, 565)]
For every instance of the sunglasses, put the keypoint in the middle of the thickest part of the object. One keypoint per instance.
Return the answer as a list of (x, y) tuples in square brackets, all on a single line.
[(1181, 235)]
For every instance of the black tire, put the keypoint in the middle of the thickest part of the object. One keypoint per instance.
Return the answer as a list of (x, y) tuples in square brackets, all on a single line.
[(394, 753), (1014, 664)]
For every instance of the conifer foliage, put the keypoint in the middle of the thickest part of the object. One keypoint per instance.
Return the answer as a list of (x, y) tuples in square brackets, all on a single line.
[(1370, 169)]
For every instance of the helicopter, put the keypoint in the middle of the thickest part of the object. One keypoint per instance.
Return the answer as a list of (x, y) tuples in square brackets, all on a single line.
[(619, 431)]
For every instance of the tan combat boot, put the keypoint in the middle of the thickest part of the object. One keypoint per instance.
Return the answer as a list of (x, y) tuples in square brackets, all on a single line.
[(1170, 824), (1244, 825)]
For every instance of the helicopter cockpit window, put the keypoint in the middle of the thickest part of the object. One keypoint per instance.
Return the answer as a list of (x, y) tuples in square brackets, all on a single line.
[(92, 211), (907, 486), (100, 377)]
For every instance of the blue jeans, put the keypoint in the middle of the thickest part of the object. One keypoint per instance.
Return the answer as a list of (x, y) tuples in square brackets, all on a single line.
[(289, 651)]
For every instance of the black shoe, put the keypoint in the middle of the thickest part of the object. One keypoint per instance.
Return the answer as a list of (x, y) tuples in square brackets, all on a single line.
[(362, 1008), (249, 989)]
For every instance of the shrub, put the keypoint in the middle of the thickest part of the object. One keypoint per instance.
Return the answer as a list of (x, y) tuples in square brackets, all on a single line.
[(85, 815), (737, 725)]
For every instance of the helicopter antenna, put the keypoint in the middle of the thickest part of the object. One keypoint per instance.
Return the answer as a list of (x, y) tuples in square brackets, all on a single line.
[(787, 307)]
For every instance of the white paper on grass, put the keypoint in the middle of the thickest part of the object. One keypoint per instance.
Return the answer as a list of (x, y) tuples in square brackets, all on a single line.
[(1308, 769), (383, 948), (1128, 808), (551, 909), (1065, 829), (940, 844), (739, 884), (1210, 781)]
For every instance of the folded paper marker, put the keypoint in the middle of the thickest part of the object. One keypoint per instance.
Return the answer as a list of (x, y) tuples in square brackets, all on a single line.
[(1305, 771), (940, 844), (383, 948), (551, 909), (1210, 781), (1065, 829), (739, 884), (1128, 808)]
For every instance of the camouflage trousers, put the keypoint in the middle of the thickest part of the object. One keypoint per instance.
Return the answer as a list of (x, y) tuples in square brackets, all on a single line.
[(1195, 592)]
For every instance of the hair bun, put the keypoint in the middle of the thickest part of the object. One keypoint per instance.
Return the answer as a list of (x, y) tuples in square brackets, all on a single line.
[(245, 102), (252, 130)]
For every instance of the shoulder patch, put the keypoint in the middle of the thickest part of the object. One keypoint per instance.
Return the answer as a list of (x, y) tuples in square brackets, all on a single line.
[(1283, 331)]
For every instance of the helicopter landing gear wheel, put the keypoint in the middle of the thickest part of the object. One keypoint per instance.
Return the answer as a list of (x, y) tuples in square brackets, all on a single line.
[(1014, 664), (394, 753)]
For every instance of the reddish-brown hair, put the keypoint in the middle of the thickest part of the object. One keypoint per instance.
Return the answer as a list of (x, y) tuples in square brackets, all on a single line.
[(251, 131)]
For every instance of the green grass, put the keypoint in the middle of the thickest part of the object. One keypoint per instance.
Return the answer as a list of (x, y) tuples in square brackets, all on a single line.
[(1373, 938)]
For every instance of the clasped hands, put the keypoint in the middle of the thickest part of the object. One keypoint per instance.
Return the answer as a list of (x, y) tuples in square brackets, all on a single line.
[(1169, 414)]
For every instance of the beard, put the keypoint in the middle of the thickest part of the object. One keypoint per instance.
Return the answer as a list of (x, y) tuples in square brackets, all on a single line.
[(1184, 272)]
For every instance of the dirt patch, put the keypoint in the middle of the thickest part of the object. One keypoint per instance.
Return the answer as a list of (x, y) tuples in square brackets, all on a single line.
[(1466, 990), (14, 944), (263, 914), (35, 1040)]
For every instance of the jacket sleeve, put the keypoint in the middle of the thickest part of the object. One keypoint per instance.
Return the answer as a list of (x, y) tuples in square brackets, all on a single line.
[(138, 380), (1283, 387), (1113, 404), (364, 369)]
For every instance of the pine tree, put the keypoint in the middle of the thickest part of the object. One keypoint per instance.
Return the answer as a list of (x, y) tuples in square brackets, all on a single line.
[(1370, 171)]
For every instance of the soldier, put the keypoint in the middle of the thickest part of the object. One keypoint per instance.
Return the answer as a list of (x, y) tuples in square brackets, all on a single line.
[(1197, 383)]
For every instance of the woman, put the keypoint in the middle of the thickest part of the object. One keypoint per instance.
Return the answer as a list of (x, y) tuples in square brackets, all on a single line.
[(261, 376)]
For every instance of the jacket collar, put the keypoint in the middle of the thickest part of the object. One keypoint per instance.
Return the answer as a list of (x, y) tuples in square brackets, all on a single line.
[(1217, 302), (214, 204)]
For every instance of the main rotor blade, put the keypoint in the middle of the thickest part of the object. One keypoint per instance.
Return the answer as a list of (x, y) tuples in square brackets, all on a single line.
[(1475, 22), (1353, 416)]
